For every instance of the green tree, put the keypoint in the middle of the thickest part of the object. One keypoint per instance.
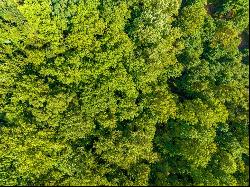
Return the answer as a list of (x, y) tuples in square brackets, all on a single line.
[(80, 95), (133, 92), (207, 142)]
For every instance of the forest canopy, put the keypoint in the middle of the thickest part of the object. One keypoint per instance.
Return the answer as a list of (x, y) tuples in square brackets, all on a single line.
[(124, 93)]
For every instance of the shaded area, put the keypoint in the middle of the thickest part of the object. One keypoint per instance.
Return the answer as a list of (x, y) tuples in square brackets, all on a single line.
[(244, 44)]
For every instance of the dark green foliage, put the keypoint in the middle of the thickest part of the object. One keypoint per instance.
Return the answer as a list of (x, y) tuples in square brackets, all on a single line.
[(133, 92), (207, 142)]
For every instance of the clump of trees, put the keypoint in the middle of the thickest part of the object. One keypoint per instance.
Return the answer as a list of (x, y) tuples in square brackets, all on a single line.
[(133, 92)]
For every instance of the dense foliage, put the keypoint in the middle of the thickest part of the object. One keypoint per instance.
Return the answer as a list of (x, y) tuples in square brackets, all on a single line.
[(132, 92)]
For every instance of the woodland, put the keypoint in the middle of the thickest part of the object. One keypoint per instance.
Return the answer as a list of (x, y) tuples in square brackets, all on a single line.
[(124, 93)]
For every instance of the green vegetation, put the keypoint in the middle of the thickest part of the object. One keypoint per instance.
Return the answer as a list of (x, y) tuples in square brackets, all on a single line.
[(132, 92)]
